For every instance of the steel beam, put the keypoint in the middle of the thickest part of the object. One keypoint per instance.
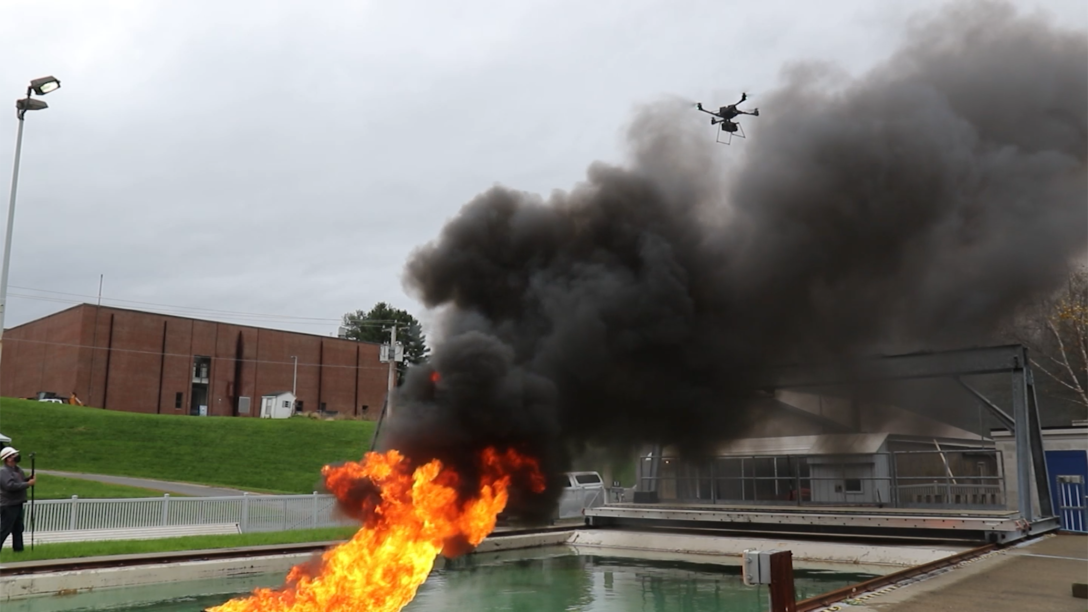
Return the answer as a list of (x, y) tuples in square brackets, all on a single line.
[(998, 413), (1022, 438), (1038, 454), (964, 362)]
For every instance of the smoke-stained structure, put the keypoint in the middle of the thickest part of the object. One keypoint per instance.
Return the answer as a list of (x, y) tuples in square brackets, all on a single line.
[(913, 207)]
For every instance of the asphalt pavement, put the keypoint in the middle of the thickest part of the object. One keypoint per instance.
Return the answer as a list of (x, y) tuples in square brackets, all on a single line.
[(165, 486)]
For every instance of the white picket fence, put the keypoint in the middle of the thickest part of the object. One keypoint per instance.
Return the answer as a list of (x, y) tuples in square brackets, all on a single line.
[(251, 513)]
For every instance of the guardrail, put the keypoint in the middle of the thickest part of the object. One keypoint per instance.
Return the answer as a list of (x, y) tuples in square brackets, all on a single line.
[(252, 513), (946, 478), (944, 494)]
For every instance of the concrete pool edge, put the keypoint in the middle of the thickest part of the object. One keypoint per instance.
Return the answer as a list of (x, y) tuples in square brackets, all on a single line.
[(186, 566), (143, 570)]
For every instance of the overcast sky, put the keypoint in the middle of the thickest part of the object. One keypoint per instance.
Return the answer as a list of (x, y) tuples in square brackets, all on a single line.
[(284, 158)]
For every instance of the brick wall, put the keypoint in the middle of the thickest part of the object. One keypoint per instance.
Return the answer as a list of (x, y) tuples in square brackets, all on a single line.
[(42, 357), (139, 361)]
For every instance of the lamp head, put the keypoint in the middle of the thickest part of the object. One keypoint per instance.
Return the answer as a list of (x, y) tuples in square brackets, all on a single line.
[(45, 85), (30, 104)]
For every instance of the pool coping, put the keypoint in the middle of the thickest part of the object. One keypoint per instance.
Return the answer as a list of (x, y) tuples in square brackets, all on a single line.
[(73, 576)]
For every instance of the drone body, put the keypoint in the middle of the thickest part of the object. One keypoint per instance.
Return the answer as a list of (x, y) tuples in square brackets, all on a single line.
[(725, 116)]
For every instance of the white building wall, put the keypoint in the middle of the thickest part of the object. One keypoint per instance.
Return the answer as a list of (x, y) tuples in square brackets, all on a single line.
[(1054, 439)]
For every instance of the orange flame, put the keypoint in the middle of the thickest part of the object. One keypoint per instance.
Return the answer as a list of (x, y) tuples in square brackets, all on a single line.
[(409, 520)]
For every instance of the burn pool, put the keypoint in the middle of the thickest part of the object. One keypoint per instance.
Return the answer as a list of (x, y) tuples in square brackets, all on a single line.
[(549, 579)]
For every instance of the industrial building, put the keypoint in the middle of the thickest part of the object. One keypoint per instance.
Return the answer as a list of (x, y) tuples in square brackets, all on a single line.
[(809, 448), (137, 361), (823, 462)]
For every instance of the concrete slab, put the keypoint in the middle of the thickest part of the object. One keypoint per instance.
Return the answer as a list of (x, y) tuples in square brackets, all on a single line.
[(1036, 576)]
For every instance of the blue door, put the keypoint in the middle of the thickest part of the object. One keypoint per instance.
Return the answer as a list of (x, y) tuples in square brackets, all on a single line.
[(1068, 472)]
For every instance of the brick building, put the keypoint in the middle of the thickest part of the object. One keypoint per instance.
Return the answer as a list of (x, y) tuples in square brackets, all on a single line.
[(137, 361)]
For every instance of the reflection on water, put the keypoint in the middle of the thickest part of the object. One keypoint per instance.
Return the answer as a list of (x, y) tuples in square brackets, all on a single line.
[(600, 583), (541, 580)]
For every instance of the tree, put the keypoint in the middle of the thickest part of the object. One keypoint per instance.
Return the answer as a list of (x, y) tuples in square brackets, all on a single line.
[(1055, 329), (373, 326)]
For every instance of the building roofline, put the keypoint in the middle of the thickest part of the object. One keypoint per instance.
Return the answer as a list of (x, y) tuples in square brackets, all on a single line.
[(1001, 432), (48, 316), (159, 314)]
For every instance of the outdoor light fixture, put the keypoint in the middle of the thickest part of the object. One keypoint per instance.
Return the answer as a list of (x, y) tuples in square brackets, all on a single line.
[(29, 104), (44, 85), (40, 86)]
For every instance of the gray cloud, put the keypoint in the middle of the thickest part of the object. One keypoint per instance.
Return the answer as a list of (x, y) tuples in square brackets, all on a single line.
[(287, 158)]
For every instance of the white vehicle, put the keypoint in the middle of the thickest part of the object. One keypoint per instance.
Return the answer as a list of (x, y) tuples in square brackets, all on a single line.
[(52, 400), (583, 490)]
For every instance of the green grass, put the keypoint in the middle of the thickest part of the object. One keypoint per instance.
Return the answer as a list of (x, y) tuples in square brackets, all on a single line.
[(49, 486), (70, 550), (273, 455)]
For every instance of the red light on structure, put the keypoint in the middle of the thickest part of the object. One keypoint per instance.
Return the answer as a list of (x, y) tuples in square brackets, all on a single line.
[(435, 377)]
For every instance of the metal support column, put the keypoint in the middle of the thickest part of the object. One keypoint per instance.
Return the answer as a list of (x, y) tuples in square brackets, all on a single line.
[(1022, 437), (1038, 454), (655, 466), (713, 482)]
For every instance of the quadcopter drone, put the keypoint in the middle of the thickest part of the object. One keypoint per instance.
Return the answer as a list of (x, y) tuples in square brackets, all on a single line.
[(724, 119)]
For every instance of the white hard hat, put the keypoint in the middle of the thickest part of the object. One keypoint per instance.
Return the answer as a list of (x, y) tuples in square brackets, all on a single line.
[(9, 451)]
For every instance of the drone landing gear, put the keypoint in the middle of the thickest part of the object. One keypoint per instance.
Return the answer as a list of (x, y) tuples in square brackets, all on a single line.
[(726, 137)]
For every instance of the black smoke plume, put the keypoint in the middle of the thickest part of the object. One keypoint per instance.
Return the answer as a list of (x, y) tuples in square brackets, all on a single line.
[(913, 207)]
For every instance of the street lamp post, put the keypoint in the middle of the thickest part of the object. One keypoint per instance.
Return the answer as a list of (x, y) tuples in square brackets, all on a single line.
[(41, 87)]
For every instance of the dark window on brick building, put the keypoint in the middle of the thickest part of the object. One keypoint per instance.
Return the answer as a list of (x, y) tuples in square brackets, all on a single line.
[(177, 399)]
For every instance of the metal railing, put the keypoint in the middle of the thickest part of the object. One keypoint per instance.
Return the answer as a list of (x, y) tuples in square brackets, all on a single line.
[(946, 478), (939, 494), (252, 513)]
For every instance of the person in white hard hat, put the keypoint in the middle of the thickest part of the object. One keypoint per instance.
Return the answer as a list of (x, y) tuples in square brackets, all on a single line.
[(13, 486)]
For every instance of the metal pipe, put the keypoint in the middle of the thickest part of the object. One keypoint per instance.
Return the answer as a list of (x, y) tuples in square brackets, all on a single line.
[(822, 601), (10, 225)]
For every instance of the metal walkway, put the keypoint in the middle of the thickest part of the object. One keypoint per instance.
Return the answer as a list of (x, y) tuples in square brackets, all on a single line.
[(991, 526)]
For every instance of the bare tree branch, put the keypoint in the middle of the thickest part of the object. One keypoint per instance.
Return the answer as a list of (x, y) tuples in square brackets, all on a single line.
[(1065, 356), (1083, 400)]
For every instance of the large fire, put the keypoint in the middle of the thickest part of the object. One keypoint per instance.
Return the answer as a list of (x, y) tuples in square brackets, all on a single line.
[(410, 518)]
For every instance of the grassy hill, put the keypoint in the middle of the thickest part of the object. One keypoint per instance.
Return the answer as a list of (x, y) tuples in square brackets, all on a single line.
[(275, 455), (51, 486)]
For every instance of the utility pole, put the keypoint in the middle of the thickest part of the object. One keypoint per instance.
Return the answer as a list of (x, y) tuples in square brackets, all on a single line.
[(294, 379), (392, 356), (94, 340)]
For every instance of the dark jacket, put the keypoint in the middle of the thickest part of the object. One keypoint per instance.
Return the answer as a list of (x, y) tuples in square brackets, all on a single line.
[(13, 486)]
